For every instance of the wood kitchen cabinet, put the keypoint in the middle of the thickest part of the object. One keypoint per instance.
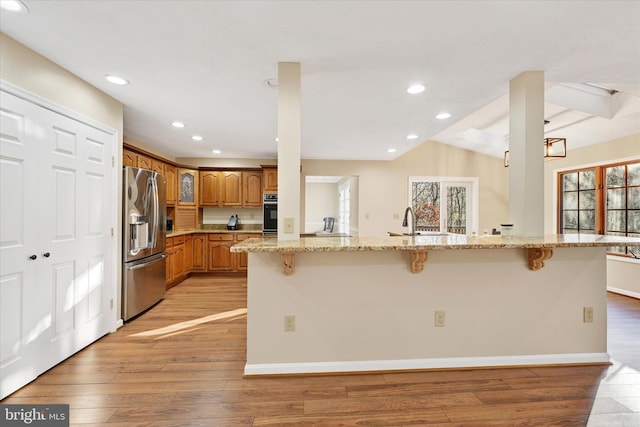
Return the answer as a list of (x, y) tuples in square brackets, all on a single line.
[(129, 158), (231, 189), (270, 178), (199, 252), (175, 265), (169, 262), (188, 253), (144, 162), (252, 189), (157, 166), (219, 256), (210, 191), (170, 173), (187, 187)]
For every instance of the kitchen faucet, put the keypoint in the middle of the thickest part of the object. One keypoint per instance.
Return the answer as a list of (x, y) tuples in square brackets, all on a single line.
[(412, 225)]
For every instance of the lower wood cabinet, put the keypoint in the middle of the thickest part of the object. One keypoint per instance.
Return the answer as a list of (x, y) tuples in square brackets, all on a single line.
[(204, 252), (175, 266), (199, 252), (219, 257)]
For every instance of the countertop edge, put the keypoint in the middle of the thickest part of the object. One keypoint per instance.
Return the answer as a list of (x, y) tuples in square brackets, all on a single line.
[(425, 243)]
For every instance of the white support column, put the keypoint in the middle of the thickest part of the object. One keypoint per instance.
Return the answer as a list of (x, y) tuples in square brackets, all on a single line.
[(289, 105), (526, 154)]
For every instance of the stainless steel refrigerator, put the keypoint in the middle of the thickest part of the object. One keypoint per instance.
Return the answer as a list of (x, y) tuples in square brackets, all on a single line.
[(143, 241)]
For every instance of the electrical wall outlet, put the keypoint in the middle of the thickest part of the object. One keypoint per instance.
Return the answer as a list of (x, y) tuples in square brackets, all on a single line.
[(288, 225), (438, 319), (289, 323), (587, 314)]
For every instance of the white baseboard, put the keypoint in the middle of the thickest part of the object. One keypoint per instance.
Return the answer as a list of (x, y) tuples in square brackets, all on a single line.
[(418, 364), (623, 292)]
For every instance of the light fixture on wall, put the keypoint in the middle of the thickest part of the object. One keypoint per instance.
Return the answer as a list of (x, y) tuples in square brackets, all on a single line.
[(554, 148)]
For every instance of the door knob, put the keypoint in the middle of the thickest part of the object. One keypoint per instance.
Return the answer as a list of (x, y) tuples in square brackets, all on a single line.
[(32, 257), (46, 254)]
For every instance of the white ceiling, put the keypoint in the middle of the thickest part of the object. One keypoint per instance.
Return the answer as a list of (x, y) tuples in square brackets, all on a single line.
[(204, 63)]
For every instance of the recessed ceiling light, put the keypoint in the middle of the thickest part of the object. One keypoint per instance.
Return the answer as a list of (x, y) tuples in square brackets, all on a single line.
[(196, 138), (216, 151), (412, 136), (116, 80), (416, 88), (14, 6), (178, 125), (277, 139), (443, 116), (391, 150)]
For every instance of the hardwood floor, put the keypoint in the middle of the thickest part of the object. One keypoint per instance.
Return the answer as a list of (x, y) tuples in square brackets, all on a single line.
[(181, 364)]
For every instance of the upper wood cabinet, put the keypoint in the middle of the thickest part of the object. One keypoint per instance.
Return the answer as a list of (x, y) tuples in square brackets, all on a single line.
[(187, 187), (270, 178), (157, 166), (170, 172), (129, 158), (144, 162), (252, 189), (231, 188), (210, 191)]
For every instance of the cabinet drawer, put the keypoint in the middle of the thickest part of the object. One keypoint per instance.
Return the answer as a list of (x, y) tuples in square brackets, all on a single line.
[(241, 237), (177, 240), (221, 236)]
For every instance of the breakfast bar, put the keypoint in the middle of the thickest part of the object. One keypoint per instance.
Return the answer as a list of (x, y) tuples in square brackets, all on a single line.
[(349, 304)]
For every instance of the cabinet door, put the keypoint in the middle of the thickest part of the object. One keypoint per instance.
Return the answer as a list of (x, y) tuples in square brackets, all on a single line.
[(188, 253), (178, 261), (170, 174), (144, 162), (219, 256), (157, 166), (187, 187), (252, 189), (199, 247), (232, 188), (129, 158), (169, 263), (210, 188), (270, 179)]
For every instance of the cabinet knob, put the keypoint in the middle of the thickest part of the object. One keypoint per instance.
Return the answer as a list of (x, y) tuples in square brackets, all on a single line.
[(46, 254), (33, 257)]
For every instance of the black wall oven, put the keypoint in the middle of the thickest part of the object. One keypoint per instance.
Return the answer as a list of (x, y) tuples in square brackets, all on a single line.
[(270, 219)]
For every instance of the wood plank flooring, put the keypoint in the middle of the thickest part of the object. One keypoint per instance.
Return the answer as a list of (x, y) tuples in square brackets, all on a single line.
[(181, 364)]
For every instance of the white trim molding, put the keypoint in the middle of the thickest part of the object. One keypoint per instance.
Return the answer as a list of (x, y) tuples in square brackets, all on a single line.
[(425, 364)]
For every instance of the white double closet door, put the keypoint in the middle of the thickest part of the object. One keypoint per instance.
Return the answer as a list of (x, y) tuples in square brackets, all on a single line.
[(57, 265)]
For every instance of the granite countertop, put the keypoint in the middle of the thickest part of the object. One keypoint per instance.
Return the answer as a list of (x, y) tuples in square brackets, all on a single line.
[(422, 243)]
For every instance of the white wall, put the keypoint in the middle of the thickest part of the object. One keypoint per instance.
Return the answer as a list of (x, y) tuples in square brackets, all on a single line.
[(321, 200), (363, 311)]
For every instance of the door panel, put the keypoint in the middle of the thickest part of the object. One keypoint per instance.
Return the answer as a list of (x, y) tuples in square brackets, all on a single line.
[(20, 329), (56, 189)]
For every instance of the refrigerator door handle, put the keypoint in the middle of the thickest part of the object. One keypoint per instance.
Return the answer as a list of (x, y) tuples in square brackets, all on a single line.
[(144, 264), (156, 212)]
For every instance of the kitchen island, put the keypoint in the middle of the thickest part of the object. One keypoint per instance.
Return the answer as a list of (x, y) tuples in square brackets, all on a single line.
[(347, 304)]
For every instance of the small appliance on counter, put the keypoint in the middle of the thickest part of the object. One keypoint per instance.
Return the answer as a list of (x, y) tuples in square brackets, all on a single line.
[(233, 223), (169, 224)]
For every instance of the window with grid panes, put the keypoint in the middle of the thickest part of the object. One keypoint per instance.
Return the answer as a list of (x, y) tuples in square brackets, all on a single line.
[(603, 200)]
